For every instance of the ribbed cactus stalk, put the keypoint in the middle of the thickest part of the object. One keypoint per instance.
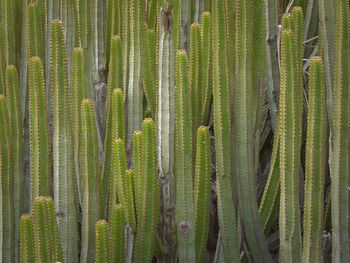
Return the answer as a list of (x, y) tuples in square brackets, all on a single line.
[(7, 231), (2, 61), (316, 160), (222, 129), (150, 69), (249, 80), (40, 150), (340, 172), (78, 94), (102, 244), (206, 66), (201, 195), (149, 209), (134, 108), (63, 161), (184, 211), (119, 167), (113, 26), (35, 31), (15, 123), (290, 125), (114, 113), (91, 180), (26, 240), (137, 156), (46, 236), (117, 234), (130, 197), (9, 19)]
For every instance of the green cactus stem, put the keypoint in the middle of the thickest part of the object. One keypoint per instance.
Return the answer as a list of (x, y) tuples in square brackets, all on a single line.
[(91, 180), (35, 32), (117, 234), (2, 61), (63, 161), (137, 156), (184, 212), (149, 209), (78, 94), (7, 231), (9, 19), (129, 189), (316, 160), (202, 192), (40, 154), (102, 244), (26, 240), (46, 236), (340, 172), (222, 129), (15, 122)]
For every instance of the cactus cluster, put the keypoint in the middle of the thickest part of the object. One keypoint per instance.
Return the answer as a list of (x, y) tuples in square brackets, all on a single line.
[(174, 130)]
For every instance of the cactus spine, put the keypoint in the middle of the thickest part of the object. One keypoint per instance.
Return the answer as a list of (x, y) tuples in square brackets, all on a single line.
[(26, 240), (40, 154), (63, 165), (91, 180), (202, 192), (46, 236), (316, 152), (222, 128), (117, 234), (102, 244), (7, 241), (149, 208), (35, 31), (341, 119)]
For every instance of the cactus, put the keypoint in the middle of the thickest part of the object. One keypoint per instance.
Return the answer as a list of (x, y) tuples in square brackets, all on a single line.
[(184, 211), (102, 248), (222, 129), (137, 156), (26, 239), (7, 238), (78, 94), (9, 18), (46, 236), (117, 234), (35, 32), (63, 161), (129, 188), (290, 100), (149, 209), (202, 192), (2, 61), (91, 180), (340, 162), (315, 171), (40, 154), (15, 123)]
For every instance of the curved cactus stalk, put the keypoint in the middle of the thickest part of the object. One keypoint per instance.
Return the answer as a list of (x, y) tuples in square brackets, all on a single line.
[(46, 236), (102, 244), (134, 94), (117, 234), (316, 160), (249, 79), (340, 172), (222, 127), (202, 192), (35, 32), (7, 231), (150, 68), (195, 77), (91, 180), (184, 212), (40, 154), (26, 240), (114, 116), (149, 210), (63, 161), (119, 167), (15, 122), (206, 66), (290, 99), (137, 156), (78, 94)]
